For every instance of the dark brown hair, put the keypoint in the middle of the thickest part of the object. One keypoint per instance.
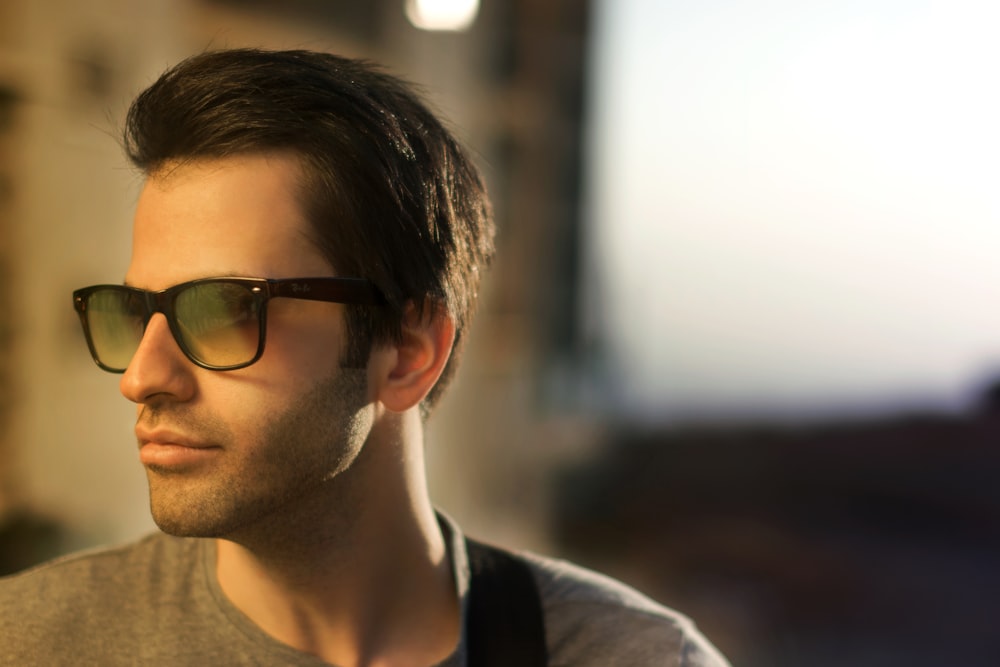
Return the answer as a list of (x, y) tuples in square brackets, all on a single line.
[(389, 192)]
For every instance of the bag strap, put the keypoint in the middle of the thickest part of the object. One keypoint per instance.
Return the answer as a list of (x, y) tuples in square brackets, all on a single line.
[(506, 626)]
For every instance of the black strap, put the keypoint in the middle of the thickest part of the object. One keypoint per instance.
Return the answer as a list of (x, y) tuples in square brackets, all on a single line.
[(506, 627)]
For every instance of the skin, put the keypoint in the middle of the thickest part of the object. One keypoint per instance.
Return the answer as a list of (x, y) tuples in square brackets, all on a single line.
[(308, 475)]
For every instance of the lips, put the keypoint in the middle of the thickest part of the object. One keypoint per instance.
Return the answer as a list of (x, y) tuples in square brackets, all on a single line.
[(169, 450)]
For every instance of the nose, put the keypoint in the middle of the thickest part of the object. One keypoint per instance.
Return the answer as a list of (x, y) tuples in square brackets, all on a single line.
[(159, 372)]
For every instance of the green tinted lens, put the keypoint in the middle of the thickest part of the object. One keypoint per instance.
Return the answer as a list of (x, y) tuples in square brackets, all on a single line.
[(115, 319), (219, 323)]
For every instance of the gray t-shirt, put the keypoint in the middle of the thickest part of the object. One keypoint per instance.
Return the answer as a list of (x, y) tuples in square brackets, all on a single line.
[(157, 602)]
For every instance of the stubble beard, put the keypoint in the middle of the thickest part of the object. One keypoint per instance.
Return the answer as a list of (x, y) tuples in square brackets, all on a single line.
[(294, 469)]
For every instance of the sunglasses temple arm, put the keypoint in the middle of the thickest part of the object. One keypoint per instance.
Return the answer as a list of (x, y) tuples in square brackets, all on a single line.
[(336, 290)]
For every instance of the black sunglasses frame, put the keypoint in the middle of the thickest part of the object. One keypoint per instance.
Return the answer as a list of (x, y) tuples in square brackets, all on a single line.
[(358, 291)]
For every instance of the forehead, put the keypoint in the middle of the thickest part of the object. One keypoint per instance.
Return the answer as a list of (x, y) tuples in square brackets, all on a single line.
[(231, 216)]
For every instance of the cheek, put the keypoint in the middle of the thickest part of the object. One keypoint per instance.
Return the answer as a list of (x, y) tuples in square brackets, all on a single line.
[(325, 426), (306, 339)]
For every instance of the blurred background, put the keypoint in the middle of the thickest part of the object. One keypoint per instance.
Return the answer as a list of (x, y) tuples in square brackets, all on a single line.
[(741, 347)]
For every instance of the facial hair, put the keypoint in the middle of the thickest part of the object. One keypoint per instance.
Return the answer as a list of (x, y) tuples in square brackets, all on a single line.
[(274, 476)]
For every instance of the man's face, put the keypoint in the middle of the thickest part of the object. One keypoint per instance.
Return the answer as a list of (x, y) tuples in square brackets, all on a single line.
[(225, 451)]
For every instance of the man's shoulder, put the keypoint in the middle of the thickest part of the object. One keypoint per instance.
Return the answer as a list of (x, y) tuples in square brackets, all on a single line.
[(79, 604), (592, 619), (101, 568)]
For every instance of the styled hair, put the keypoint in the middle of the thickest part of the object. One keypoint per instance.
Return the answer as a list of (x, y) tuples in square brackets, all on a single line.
[(389, 193)]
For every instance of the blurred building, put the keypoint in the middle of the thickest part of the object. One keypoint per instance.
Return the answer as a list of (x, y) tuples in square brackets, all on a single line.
[(868, 543)]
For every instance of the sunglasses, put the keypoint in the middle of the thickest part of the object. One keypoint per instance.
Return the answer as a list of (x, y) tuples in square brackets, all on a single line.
[(218, 323)]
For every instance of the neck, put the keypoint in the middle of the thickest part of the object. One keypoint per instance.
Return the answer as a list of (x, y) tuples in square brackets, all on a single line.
[(361, 575)]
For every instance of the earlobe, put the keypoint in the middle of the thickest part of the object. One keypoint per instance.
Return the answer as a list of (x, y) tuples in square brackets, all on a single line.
[(418, 359)]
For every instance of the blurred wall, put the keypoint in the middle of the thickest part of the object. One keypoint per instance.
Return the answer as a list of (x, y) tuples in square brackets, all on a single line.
[(69, 66)]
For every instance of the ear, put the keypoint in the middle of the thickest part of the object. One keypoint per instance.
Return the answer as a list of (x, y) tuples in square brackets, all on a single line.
[(410, 369)]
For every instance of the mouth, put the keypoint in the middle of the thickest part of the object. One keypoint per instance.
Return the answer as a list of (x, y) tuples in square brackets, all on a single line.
[(165, 450)]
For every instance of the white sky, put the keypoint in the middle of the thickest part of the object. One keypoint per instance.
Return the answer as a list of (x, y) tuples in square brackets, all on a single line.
[(795, 203)]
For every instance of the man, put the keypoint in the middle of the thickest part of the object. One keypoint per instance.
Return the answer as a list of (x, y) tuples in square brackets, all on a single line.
[(306, 256)]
